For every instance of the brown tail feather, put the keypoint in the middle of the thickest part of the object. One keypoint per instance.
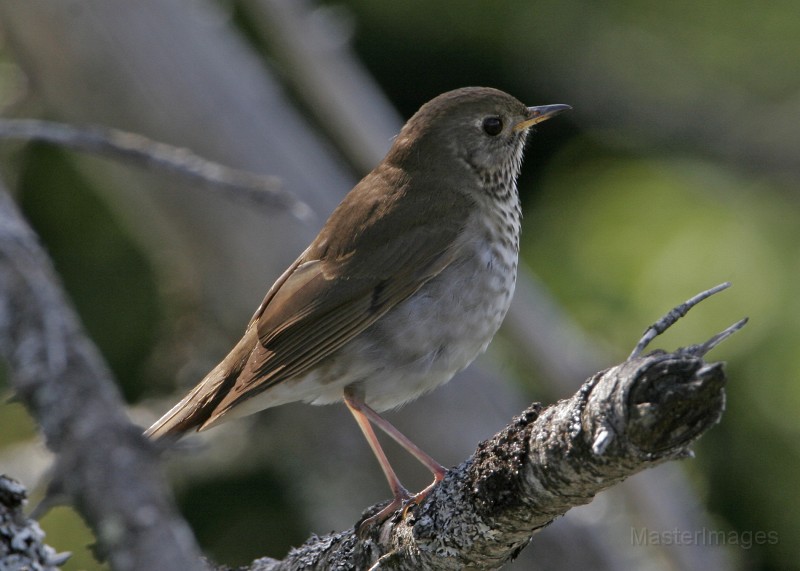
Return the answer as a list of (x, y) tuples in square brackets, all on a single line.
[(196, 407)]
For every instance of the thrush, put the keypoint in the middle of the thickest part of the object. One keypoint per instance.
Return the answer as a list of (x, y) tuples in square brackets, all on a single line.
[(407, 282)]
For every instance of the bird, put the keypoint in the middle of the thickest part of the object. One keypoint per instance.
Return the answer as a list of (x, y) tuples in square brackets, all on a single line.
[(406, 283)]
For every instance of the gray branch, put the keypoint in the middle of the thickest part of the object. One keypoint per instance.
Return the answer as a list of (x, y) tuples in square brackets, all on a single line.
[(139, 150), (21, 539), (623, 420), (103, 467)]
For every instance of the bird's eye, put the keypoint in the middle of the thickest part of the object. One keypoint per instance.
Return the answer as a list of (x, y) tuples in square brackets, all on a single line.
[(492, 126)]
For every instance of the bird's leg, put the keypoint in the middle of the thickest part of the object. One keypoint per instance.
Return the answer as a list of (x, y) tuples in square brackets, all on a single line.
[(363, 422), (399, 492), (365, 415), (436, 469)]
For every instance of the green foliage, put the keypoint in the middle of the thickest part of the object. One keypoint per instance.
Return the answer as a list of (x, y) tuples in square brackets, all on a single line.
[(66, 531)]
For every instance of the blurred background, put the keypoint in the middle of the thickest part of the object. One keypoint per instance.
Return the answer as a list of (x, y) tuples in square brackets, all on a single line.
[(677, 169)]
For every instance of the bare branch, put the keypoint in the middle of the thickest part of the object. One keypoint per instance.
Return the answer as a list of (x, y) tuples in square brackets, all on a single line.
[(312, 43), (673, 316), (104, 466), (236, 184), (703, 348)]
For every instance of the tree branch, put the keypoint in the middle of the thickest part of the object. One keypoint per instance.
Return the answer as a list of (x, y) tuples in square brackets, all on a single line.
[(313, 47), (137, 149), (22, 540), (623, 420), (104, 466)]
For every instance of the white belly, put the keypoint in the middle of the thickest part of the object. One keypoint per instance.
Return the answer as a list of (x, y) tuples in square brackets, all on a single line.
[(440, 330), (438, 333)]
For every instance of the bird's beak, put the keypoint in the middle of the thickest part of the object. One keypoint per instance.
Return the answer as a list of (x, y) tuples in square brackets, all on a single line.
[(539, 114)]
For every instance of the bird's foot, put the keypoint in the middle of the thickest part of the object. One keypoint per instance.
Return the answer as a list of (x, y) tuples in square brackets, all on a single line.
[(399, 500), (422, 495), (402, 502)]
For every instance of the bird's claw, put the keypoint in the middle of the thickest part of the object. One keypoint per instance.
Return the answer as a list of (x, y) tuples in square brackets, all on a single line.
[(401, 503)]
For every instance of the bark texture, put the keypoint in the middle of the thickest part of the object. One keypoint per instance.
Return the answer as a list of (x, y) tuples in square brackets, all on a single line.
[(547, 460), (22, 544), (104, 466)]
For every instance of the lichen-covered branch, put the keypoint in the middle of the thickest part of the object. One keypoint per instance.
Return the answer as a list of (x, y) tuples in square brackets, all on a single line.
[(21, 539), (104, 467), (623, 420)]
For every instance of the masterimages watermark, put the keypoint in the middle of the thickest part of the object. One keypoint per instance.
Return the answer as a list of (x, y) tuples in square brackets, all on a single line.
[(703, 536)]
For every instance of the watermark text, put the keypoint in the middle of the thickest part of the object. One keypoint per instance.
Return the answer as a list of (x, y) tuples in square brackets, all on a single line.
[(703, 536)]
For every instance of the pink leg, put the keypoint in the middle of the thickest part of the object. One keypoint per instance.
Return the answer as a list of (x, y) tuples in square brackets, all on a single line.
[(363, 422), (436, 469), (364, 415)]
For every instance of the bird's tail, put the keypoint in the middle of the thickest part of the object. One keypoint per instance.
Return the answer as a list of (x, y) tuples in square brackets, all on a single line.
[(196, 407)]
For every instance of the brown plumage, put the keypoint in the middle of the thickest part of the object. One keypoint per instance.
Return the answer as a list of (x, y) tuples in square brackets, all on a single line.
[(405, 284)]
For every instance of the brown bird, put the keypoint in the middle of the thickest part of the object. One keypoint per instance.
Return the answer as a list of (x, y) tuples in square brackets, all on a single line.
[(406, 283)]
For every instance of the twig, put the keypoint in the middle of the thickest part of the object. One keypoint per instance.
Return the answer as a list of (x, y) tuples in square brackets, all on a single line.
[(703, 348), (674, 315), (236, 184)]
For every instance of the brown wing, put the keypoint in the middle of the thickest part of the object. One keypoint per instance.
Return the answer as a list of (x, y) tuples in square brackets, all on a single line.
[(377, 249)]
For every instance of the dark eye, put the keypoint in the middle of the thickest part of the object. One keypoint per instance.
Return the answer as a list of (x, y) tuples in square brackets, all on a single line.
[(493, 126)]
